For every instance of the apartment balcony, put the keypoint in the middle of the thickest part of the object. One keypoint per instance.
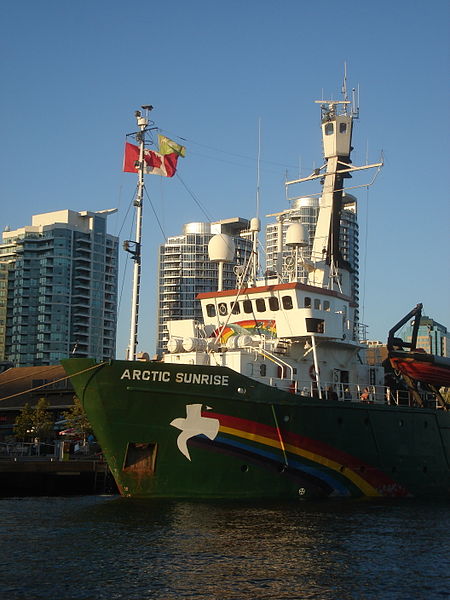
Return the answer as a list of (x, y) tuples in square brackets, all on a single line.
[(81, 290)]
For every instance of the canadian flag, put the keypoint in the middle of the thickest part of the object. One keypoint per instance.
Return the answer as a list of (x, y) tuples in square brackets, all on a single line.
[(154, 162)]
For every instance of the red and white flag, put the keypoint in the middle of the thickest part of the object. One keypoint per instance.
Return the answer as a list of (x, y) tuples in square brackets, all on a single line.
[(154, 162)]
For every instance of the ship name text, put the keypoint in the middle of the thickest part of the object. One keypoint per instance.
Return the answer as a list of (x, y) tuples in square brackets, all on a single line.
[(180, 377)]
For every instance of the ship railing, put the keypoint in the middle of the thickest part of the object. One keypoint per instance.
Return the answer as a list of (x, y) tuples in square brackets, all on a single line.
[(344, 392)]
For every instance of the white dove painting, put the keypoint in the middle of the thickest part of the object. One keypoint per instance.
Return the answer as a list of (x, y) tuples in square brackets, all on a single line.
[(194, 424)]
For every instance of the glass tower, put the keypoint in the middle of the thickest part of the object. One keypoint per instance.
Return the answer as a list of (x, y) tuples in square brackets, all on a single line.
[(61, 289), (431, 337), (305, 211), (185, 270)]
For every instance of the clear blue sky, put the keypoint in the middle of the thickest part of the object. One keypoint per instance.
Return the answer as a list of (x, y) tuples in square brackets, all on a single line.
[(73, 73)]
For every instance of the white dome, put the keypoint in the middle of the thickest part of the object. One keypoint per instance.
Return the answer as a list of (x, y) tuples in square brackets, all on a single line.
[(221, 248), (255, 224), (297, 235)]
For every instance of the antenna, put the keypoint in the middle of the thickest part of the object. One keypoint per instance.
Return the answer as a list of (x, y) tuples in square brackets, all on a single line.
[(344, 83), (257, 168)]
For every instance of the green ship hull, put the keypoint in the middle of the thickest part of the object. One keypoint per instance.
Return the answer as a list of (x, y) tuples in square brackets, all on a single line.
[(190, 431)]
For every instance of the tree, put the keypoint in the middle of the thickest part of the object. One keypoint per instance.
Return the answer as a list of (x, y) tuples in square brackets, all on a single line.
[(34, 422), (77, 420), (43, 422), (23, 424)]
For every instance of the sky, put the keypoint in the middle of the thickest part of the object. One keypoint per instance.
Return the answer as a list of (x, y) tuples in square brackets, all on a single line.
[(221, 76)]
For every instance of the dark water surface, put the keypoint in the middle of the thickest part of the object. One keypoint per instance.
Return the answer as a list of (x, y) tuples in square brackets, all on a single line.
[(95, 547)]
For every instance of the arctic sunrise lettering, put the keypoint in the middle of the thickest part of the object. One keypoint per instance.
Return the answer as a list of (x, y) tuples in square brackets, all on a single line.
[(165, 376)]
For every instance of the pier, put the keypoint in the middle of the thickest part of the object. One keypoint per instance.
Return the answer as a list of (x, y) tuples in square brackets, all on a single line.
[(22, 474)]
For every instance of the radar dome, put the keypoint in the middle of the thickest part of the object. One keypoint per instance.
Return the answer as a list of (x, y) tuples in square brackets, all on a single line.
[(297, 235), (221, 248)]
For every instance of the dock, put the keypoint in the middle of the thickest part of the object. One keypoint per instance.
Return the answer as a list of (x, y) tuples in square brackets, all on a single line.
[(48, 476)]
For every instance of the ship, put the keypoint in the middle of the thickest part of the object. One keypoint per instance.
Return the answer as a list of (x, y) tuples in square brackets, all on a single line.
[(271, 395)]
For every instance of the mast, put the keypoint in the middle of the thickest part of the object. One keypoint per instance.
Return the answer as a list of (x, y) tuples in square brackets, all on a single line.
[(142, 122), (331, 270)]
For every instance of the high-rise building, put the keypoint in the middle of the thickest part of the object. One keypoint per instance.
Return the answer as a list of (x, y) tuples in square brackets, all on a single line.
[(185, 270), (305, 211), (431, 337), (58, 289)]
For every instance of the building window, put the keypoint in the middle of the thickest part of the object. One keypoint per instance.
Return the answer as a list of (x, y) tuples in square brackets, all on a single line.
[(287, 302), (273, 303)]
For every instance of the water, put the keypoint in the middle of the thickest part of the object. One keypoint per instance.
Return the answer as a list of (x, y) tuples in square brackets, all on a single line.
[(95, 548)]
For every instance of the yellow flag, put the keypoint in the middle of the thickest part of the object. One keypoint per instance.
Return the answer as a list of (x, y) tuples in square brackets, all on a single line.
[(167, 146)]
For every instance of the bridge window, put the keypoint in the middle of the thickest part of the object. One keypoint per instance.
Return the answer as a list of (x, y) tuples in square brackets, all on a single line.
[(342, 127), (307, 303), (317, 304), (287, 302), (260, 305), (210, 310), (314, 325), (235, 310), (273, 303), (326, 305), (247, 306), (263, 370), (329, 128)]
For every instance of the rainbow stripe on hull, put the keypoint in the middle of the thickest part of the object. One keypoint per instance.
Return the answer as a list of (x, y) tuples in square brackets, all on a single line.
[(335, 472)]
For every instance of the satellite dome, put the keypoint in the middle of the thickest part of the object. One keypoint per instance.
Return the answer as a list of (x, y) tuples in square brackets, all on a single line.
[(297, 235), (221, 248)]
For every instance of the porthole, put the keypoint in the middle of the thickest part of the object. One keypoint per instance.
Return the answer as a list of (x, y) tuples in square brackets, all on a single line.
[(244, 468)]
